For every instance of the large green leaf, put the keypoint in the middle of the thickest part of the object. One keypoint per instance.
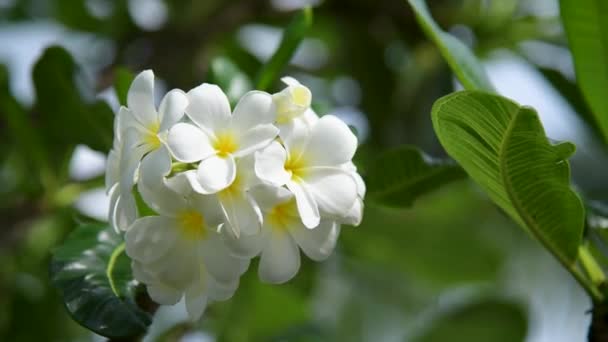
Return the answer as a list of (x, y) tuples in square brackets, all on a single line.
[(503, 147), (93, 274), (463, 63), (69, 116), (490, 320), (399, 176), (292, 37), (587, 31)]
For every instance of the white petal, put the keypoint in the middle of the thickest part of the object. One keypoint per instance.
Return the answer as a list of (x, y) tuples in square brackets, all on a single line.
[(208, 107), (245, 246), (163, 294), (178, 267), (112, 170), (254, 108), (317, 243), (219, 261), (140, 98), (216, 173), (361, 189), (209, 207), (268, 196), (123, 210), (255, 139), (131, 154), (154, 167), (355, 214), (123, 121), (334, 190), (196, 300), (270, 164), (307, 207), (331, 142), (280, 259), (221, 291), (245, 169), (150, 238), (295, 136), (172, 108), (197, 294), (162, 199), (189, 143), (241, 214), (141, 274)]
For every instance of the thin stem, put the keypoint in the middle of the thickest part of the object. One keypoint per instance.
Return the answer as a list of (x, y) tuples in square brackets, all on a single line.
[(591, 267)]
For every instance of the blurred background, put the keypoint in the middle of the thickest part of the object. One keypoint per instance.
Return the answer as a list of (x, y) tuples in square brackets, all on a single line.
[(450, 268)]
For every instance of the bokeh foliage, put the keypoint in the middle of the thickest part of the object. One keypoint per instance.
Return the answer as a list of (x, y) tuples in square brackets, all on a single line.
[(387, 275)]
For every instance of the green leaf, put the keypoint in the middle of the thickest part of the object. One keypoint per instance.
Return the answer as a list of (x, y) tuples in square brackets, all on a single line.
[(293, 35), (490, 320), (503, 147), (230, 78), (68, 116), (93, 274), (24, 136), (587, 31), (123, 78), (459, 57), (401, 175)]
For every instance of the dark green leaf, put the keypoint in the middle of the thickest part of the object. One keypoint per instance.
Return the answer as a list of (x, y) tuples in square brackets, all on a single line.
[(93, 274), (399, 176), (490, 320), (292, 37), (24, 136), (230, 78), (463, 63), (122, 81), (68, 116), (587, 31), (503, 147)]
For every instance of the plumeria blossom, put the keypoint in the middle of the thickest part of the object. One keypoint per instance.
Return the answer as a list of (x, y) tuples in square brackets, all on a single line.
[(217, 137), (310, 163), (269, 179), (292, 101), (180, 252), (140, 132), (283, 236)]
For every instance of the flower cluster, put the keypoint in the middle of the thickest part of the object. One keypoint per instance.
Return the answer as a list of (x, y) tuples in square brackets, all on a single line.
[(268, 179)]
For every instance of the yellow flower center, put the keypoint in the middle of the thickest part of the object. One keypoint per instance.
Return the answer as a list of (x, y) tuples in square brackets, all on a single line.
[(225, 144), (281, 216), (192, 225), (296, 166), (301, 96), (151, 137)]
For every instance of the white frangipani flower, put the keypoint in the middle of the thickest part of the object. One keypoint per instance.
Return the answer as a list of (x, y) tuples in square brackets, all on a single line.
[(140, 131), (218, 137), (292, 101), (180, 253), (269, 179), (282, 237), (310, 163)]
